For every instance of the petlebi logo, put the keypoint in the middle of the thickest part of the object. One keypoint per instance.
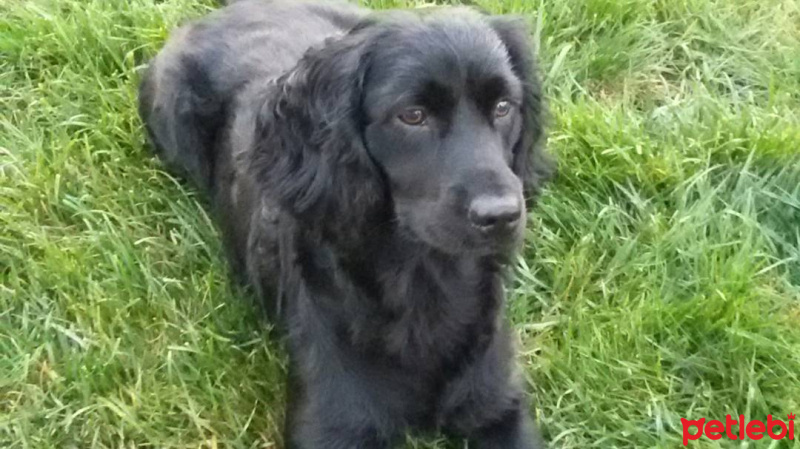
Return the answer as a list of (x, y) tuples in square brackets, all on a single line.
[(734, 429)]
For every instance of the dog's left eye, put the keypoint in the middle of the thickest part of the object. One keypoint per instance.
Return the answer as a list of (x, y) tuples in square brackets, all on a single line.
[(413, 116), (502, 109)]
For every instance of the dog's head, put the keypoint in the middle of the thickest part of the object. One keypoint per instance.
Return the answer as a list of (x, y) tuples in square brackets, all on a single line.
[(431, 121)]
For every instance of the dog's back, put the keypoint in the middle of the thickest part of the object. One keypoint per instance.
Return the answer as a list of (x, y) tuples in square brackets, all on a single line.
[(186, 88)]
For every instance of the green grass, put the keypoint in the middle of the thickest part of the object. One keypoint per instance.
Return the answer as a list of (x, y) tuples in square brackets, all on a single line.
[(661, 277)]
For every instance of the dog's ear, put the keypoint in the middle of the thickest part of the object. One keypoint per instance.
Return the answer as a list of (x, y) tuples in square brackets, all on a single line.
[(530, 162), (309, 152)]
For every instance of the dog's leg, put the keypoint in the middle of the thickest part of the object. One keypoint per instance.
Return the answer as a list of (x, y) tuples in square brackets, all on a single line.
[(487, 404), (336, 407), (318, 420), (516, 430), (313, 437), (488, 425)]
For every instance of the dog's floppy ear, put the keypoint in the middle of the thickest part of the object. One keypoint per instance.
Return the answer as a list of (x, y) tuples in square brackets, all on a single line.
[(308, 147), (530, 162)]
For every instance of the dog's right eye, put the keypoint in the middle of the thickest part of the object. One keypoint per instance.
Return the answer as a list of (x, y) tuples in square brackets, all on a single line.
[(413, 116)]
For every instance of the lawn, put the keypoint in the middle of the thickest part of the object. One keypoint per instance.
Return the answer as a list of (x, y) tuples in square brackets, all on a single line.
[(660, 278)]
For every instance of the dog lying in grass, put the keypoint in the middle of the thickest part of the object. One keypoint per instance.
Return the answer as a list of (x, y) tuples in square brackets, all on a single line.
[(369, 173)]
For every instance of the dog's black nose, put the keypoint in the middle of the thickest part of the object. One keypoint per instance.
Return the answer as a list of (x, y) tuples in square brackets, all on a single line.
[(495, 212)]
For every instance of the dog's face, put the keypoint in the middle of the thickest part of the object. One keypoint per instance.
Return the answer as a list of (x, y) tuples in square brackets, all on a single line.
[(443, 113), (437, 117)]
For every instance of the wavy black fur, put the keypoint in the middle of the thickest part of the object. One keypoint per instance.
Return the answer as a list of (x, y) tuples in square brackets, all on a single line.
[(367, 238)]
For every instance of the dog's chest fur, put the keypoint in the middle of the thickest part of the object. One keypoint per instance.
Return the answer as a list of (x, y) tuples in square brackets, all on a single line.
[(427, 310), (439, 311), (424, 319)]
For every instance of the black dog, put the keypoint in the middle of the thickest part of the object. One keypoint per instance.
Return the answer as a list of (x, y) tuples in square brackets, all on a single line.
[(370, 173)]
